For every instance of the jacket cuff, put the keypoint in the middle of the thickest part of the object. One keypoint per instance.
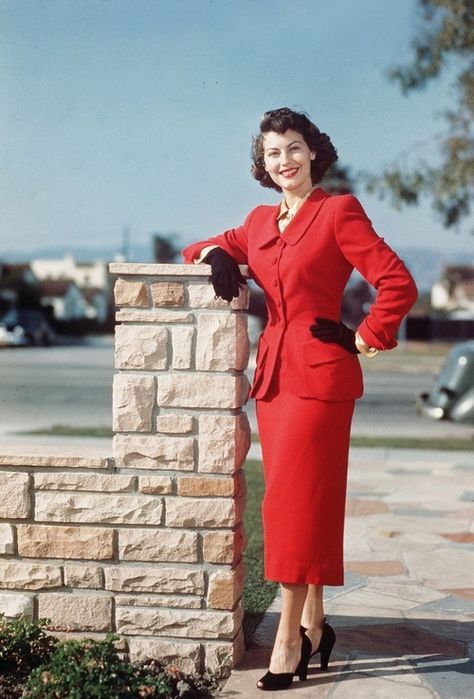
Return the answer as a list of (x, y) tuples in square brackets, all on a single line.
[(204, 252), (369, 337)]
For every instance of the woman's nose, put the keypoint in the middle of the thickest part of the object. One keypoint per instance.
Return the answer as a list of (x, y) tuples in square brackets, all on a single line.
[(285, 158)]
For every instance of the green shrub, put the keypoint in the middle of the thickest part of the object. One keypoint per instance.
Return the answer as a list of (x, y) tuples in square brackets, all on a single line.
[(82, 669), (34, 665), (23, 645), (90, 669)]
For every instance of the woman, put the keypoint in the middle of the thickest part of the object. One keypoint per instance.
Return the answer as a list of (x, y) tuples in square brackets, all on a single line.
[(307, 377)]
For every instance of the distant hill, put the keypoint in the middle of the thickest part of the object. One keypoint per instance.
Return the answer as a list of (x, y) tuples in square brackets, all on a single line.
[(424, 263)]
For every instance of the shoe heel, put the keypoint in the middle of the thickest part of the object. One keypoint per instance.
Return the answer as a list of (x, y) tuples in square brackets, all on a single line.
[(326, 647), (325, 659), (302, 669)]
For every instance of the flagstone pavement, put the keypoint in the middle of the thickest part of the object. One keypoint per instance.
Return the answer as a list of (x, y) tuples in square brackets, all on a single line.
[(405, 617)]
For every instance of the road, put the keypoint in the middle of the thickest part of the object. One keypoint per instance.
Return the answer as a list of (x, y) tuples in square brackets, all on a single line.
[(72, 385)]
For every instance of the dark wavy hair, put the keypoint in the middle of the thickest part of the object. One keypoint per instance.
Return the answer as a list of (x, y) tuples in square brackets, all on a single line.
[(280, 120)]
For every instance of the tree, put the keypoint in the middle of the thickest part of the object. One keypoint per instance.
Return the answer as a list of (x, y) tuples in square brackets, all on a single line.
[(446, 39), (164, 247), (338, 180)]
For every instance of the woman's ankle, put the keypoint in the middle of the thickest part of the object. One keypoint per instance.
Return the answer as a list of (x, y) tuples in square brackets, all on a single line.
[(314, 623)]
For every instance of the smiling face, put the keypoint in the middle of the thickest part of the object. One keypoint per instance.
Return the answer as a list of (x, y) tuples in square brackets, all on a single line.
[(287, 160)]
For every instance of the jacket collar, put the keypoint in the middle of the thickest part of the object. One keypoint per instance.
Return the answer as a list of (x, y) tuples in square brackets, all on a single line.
[(298, 225)]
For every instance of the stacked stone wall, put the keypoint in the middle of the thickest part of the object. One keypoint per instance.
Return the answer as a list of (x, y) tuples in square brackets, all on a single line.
[(148, 543)]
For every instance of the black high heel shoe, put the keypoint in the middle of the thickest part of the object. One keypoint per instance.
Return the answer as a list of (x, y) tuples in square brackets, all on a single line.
[(326, 644), (273, 681)]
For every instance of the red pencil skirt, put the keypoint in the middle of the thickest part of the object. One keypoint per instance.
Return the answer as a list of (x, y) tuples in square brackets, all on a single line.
[(305, 445)]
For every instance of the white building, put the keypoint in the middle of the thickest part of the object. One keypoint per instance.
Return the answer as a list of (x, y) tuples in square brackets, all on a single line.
[(84, 274), (454, 292), (65, 298)]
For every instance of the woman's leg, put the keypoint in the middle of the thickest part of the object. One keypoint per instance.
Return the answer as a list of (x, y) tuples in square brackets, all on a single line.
[(287, 649), (312, 617)]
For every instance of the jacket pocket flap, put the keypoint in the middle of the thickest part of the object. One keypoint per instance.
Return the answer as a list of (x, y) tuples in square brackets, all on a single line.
[(315, 352)]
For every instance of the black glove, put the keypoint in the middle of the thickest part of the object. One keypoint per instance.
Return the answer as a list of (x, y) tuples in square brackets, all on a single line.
[(330, 331), (225, 277)]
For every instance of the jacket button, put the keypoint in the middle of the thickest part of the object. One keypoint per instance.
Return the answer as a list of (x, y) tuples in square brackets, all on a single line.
[(275, 283), (279, 242), (275, 260)]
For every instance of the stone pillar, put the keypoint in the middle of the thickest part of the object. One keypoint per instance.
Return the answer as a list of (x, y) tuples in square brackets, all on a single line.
[(177, 415)]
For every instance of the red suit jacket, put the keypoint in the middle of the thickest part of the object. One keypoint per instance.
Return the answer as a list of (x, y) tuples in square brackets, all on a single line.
[(303, 273)]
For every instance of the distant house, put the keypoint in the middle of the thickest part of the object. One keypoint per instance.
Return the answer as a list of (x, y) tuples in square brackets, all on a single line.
[(97, 304), (91, 279), (454, 292), (64, 298)]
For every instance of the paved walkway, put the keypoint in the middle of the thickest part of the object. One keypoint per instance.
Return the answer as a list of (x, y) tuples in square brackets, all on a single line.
[(405, 617)]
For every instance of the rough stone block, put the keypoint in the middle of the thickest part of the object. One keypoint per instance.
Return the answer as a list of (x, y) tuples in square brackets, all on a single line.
[(141, 347), (14, 605), (29, 576), (15, 502), (154, 452), (37, 457), (184, 655), (202, 296), (204, 512), (43, 541), (133, 402), (83, 575), (93, 482), (155, 485), (130, 294), (7, 544), (157, 545), (223, 546), (174, 602), (168, 294), (224, 441), (182, 339), (161, 580), (156, 315), (184, 623), (225, 587), (174, 423), (95, 507), (199, 486), (223, 656), (79, 612), (222, 342), (202, 390)]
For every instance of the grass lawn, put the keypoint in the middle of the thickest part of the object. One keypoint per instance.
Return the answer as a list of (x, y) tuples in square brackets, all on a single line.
[(71, 431), (443, 443), (258, 593)]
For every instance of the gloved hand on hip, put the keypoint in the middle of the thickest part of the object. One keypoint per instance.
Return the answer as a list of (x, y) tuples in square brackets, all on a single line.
[(225, 276), (328, 330)]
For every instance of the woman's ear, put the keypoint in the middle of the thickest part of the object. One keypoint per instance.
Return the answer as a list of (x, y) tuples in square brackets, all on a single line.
[(312, 155)]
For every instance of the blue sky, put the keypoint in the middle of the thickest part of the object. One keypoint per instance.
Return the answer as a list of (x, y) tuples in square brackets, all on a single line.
[(140, 113)]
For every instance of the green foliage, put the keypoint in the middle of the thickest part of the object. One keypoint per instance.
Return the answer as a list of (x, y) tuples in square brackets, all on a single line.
[(258, 593), (23, 645), (34, 665), (445, 39), (89, 669), (80, 670)]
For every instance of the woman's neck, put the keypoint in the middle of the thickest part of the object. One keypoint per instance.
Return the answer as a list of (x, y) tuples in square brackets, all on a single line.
[(295, 199)]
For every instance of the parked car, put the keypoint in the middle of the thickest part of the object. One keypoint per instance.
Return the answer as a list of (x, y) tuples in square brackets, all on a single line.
[(452, 397), (31, 324), (12, 338)]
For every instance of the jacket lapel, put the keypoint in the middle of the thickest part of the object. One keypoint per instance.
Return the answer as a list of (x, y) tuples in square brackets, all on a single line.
[(298, 226), (267, 226)]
